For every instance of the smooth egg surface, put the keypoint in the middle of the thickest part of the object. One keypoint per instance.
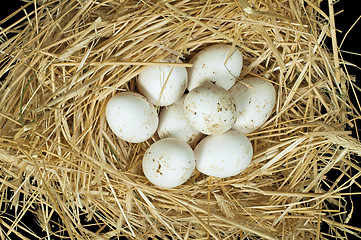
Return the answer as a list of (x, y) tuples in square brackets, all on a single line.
[(255, 99), (173, 123), (131, 117), (223, 155), (163, 85)]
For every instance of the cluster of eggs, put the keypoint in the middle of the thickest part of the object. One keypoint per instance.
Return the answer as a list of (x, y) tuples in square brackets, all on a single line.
[(205, 114)]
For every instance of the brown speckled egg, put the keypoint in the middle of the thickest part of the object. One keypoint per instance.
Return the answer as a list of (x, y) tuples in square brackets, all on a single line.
[(168, 162), (210, 109)]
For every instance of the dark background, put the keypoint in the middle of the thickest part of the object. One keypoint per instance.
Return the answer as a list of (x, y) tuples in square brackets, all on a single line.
[(347, 13)]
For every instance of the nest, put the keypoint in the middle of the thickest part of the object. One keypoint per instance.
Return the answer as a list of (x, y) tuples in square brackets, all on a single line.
[(59, 160)]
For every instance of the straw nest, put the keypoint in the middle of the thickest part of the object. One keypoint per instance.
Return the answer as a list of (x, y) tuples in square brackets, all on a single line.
[(63, 60)]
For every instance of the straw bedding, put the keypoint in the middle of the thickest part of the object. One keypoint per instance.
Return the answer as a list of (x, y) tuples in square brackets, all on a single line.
[(65, 59)]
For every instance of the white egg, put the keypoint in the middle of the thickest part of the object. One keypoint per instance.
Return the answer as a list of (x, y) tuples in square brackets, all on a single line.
[(131, 117), (255, 101), (220, 64), (168, 162), (163, 85), (210, 109), (223, 155), (173, 123)]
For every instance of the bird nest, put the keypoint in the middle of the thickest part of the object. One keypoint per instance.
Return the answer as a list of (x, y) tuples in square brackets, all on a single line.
[(64, 60)]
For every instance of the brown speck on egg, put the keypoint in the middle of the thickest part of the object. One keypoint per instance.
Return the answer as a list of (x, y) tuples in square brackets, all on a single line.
[(158, 169)]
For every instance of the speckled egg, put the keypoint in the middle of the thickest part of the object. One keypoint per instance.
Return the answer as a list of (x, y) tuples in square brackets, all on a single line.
[(168, 162), (210, 109)]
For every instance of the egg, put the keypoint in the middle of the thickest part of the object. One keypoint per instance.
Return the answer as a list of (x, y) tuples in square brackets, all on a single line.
[(220, 64), (210, 109), (255, 100), (168, 162), (173, 123), (131, 117), (223, 155), (163, 85)]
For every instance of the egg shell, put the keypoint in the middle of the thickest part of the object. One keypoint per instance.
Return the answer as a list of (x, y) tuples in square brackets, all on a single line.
[(255, 100), (131, 117), (173, 123), (223, 155), (220, 64), (168, 162), (210, 109), (163, 85)]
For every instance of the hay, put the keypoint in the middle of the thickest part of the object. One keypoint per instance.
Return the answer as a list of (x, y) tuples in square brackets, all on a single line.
[(65, 59)]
